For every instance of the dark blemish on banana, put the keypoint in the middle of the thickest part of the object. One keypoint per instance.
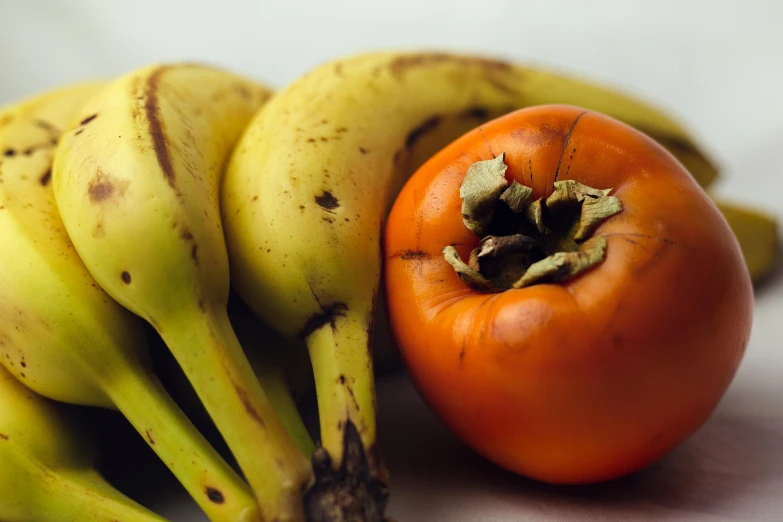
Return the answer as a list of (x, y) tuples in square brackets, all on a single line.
[(9, 153), (46, 177), (194, 254), (201, 305), (156, 130), (100, 188), (148, 433), (341, 129), (327, 316), (328, 220), (48, 127), (126, 277), (248, 404), (24, 364), (327, 201), (78, 132), (421, 130), (478, 113), (28, 151), (402, 64), (215, 496), (242, 91), (4, 436), (310, 140), (88, 119), (255, 198), (22, 375), (186, 235), (364, 151), (342, 379)]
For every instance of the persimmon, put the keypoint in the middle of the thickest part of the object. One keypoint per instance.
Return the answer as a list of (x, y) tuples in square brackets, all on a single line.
[(622, 342)]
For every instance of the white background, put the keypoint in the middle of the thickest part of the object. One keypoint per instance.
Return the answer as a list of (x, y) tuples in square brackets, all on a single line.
[(716, 65)]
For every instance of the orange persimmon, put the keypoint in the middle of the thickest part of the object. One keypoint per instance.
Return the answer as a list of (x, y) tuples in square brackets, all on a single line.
[(584, 379)]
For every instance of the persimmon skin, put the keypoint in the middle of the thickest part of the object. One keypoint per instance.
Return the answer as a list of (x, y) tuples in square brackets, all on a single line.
[(590, 379)]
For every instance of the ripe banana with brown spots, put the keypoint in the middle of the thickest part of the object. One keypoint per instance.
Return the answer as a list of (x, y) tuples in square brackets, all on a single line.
[(47, 470), (62, 335), (136, 180), (309, 185)]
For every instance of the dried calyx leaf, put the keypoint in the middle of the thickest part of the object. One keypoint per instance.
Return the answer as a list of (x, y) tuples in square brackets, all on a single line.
[(496, 246), (545, 240), (470, 277), (516, 196), (564, 265), (484, 182), (593, 212)]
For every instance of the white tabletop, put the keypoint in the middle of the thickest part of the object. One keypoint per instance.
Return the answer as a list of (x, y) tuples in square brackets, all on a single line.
[(717, 66)]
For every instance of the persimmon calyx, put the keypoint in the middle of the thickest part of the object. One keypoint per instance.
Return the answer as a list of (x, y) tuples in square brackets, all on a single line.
[(527, 242)]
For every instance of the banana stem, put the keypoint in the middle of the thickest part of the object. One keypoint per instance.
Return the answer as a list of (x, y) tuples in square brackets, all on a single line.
[(274, 384), (75, 497), (209, 353), (212, 483), (344, 382)]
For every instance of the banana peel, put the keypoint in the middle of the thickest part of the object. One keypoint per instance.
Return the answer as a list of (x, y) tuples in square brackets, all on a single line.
[(758, 234)]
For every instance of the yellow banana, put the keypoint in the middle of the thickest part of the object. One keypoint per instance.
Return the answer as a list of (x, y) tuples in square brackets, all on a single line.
[(136, 183), (47, 470), (281, 366), (310, 182), (758, 236), (63, 336)]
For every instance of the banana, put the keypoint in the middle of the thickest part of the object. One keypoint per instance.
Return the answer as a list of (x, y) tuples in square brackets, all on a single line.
[(63, 336), (281, 366), (758, 236), (47, 470), (310, 182), (136, 182)]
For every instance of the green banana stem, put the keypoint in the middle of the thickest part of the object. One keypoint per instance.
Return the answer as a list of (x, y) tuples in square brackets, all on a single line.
[(233, 397), (274, 383), (217, 489), (342, 366), (77, 497)]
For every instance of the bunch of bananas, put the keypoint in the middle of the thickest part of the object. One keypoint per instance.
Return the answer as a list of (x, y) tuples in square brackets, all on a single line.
[(128, 200)]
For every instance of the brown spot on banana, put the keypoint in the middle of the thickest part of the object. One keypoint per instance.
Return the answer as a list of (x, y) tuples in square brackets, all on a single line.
[(126, 277), (215, 496), (326, 316), (88, 119), (46, 177), (414, 135), (327, 201), (4, 436), (402, 64), (103, 187), (155, 125), (248, 404)]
